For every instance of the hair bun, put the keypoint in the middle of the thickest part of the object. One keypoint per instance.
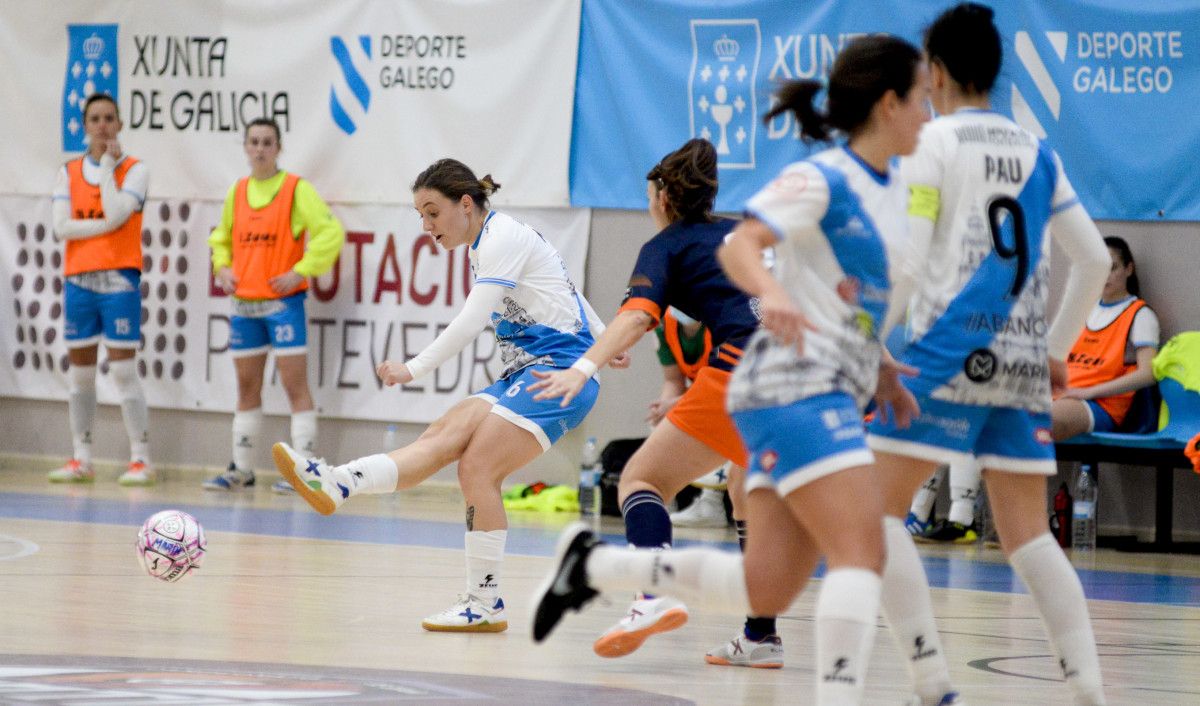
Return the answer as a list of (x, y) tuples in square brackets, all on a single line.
[(488, 184)]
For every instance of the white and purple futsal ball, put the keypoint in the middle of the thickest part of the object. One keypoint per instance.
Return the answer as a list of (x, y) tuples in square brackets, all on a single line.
[(171, 545)]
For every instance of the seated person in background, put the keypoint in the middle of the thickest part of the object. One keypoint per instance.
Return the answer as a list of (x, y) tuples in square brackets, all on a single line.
[(683, 348), (1112, 357)]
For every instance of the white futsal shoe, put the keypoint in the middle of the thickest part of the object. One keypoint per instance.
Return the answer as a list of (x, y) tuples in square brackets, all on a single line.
[(717, 479), (469, 614), (741, 651), (311, 477), (646, 617), (706, 511)]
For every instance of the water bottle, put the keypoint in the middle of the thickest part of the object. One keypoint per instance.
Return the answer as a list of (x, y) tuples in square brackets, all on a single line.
[(389, 438), (589, 479), (1083, 511)]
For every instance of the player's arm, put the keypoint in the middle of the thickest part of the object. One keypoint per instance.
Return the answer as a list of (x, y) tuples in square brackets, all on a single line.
[(325, 232), (68, 228), (1080, 240), (625, 330), (220, 243), (469, 323), (741, 258), (119, 203)]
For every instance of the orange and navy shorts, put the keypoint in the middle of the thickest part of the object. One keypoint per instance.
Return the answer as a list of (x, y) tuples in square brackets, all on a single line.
[(702, 415)]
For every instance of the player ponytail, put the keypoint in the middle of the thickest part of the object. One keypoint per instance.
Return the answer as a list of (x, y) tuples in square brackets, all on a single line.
[(689, 177), (964, 40), (453, 179), (863, 72)]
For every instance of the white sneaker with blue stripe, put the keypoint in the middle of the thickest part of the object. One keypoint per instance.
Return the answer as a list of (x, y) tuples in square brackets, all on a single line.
[(951, 698), (311, 477), (231, 479), (469, 614)]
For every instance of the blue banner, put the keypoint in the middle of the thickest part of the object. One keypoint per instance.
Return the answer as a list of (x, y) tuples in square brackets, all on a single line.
[(1108, 83), (91, 68)]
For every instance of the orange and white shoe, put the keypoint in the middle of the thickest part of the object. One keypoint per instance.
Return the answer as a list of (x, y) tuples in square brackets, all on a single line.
[(74, 471), (139, 474), (646, 617)]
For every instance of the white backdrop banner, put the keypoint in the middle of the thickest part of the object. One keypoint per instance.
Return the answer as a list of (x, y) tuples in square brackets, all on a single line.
[(368, 92), (389, 295)]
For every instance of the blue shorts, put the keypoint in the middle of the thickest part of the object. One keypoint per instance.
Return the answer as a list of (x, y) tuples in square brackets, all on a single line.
[(803, 441), (545, 419), (281, 326), (90, 316), (1002, 438), (1101, 419)]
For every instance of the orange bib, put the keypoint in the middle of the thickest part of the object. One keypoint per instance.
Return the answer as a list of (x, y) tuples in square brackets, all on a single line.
[(263, 243), (671, 336), (116, 250), (1107, 354)]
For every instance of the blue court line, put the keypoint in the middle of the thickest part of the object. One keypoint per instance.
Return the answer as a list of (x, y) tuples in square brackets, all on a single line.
[(943, 572)]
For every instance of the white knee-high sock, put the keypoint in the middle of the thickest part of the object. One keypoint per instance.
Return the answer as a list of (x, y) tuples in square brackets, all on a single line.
[(909, 612), (485, 554), (1056, 590), (846, 610), (376, 473), (706, 577), (246, 426), (133, 408), (964, 491), (922, 503), (304, 432), (81, 406)]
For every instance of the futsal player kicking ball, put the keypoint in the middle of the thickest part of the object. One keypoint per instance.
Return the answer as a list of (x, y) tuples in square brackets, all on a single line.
[(541, 324)]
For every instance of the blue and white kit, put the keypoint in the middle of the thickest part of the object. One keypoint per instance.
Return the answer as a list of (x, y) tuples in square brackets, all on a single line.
[(259, 324), (523, 288), (988, 196), (841, 226)]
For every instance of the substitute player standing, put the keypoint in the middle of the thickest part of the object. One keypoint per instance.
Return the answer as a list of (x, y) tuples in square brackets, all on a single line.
[(97, 209), (260, 257)]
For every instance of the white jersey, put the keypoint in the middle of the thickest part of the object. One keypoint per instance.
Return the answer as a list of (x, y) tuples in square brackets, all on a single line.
[(1145, 331), (841, 227), (542, 320), (977, 323)]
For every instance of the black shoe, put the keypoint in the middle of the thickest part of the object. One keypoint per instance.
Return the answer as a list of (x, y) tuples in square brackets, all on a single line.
[(945, 531), (567, 586)]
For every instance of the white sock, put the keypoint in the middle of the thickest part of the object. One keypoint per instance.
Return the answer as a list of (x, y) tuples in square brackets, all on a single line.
[(909, 611), (246, 426), (133, 408), (845, 619), (964, 491), (81, 406), (485, 553), (922, 503), (706, 577), (1056, 590), (304, 432), (370, 474)]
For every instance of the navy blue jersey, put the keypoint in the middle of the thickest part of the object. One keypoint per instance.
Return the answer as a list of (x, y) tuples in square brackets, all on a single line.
[(678, 267)]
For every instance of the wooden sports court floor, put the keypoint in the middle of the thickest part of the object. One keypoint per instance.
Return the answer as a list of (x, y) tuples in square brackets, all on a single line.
[(294, 608)]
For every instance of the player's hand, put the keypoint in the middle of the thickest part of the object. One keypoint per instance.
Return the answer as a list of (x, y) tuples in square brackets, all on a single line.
[(112, 148), (226, 280), (783, 318), (392, 372), (620, 361), (565, 383), (659, 409), (892, 399), (286, 282), (1058, 376)]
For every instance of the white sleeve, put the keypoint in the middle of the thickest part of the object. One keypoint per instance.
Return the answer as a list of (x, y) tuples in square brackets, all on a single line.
[(118, 205), (793, 204), (503, 251), (474, 317), (65, 227), (1145, 330), (1077, 235), (907, 273), (594, 322)]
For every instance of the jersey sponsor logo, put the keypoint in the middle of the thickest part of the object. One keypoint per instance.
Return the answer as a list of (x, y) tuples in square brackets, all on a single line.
[(91, 68), (980, 365), (767, 460), (998, 323), (1043, 436), (722, 103), (790, 184), (349, 94)]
